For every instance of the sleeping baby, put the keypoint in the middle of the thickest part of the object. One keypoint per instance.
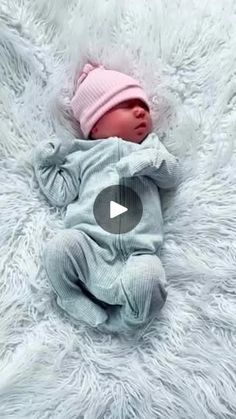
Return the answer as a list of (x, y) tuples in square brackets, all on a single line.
[(112, 281)]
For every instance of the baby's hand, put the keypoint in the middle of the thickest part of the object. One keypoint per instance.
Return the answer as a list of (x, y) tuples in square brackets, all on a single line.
[(50, 152), (136, 162), (155, 162)]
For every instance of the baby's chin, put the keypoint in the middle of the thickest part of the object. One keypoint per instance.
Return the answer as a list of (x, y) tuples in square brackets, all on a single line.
[(137, 138)]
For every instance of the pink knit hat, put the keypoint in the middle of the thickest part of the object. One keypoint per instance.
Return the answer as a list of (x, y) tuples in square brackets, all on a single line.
[(98, 90)]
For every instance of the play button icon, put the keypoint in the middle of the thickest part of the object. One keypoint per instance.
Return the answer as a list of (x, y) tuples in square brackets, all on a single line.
[(118, 209)]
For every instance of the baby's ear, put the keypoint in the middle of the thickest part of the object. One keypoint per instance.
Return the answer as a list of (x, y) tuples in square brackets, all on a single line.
[(93, 131)]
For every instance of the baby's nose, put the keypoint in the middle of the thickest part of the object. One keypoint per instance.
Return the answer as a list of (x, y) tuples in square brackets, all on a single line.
[(139, 112)]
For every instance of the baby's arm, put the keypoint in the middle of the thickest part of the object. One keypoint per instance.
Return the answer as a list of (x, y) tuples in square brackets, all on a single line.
[(154, 161), (58, 174)]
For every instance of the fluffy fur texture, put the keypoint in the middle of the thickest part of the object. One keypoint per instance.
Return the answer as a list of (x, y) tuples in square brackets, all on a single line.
[(183, 365)]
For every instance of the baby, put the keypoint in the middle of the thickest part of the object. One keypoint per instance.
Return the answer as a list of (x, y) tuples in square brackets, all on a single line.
[(114, 282)]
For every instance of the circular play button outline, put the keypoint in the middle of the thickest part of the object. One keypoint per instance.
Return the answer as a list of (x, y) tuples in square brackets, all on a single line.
[(126, 206)]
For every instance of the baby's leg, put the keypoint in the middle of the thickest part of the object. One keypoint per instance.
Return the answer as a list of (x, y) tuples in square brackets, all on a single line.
[(67, 268), (142, 294)]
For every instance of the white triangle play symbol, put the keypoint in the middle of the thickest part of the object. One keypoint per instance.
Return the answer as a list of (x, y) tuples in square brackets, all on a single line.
[(116, 209)]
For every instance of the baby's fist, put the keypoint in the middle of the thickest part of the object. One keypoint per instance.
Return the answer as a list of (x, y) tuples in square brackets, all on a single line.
[(135, 163), (49, 152)]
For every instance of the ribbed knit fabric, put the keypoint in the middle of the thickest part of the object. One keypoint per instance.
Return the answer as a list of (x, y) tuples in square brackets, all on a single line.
[(114, 281)]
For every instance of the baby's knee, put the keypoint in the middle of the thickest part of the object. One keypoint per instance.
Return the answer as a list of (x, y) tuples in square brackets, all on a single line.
[(148, 268), (59, 247)]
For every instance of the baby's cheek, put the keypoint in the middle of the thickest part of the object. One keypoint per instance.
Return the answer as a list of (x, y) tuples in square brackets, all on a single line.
[(150, 123)]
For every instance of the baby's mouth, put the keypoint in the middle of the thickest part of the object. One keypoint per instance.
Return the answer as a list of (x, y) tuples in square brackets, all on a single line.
[(141, 125)]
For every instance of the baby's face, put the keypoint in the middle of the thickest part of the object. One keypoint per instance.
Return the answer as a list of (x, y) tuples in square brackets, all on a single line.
[(130, 120)]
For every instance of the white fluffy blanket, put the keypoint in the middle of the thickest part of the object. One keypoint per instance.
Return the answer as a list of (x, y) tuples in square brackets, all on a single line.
[(183, 365)]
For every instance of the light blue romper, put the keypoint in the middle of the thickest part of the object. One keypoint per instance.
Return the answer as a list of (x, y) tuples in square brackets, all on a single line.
[(115, 282)]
